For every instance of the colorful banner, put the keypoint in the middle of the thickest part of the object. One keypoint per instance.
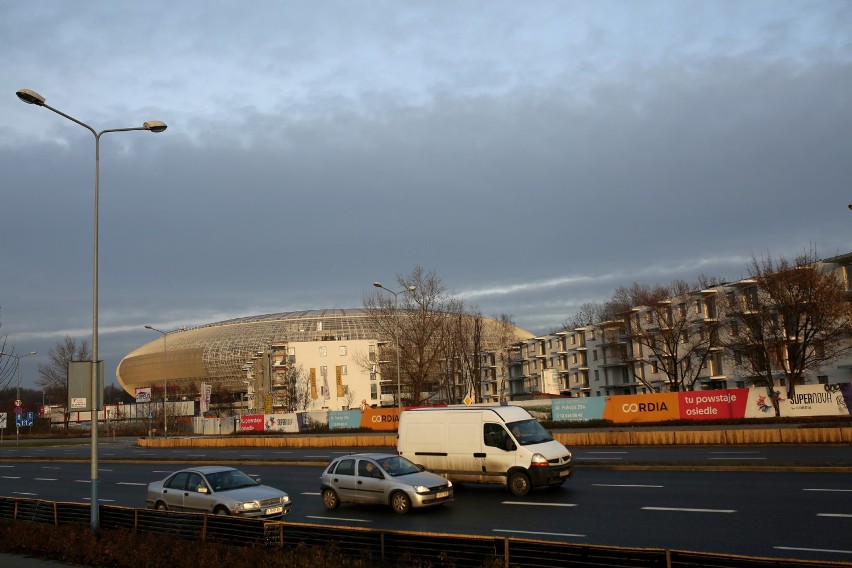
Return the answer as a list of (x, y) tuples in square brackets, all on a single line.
[(578, 409), (818, 400), (380, 418), (338, 375), (713, 404), (206, 391), (251, 423), (655, 407), (288, 422), (143, 394), (344, 419), (313, 375)]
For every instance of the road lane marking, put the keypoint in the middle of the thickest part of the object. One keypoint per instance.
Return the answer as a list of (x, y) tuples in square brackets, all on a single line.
[(812, 549), (743, 458), (324, 457), (838, 490), (688, 510), (838, 515), (130, 483), (99, 500), (595, 458), (311, 493), (48, 467), (603, 452), (23, 493), (625, 485), (539, 504), (11, 477), (340, 519), (82, 481), (539, 533), (735, 452), (7, 466), (45, 479)]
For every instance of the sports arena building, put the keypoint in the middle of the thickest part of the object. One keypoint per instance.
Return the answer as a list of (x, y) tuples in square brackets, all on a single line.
[(308, 360)]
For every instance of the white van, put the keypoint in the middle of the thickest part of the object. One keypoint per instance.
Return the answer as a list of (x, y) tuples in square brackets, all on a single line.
[(484, 444)]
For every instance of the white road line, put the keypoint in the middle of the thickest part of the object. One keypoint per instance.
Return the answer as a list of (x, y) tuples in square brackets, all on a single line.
[(130, 483), (82, 481), (602, 452), (311, 493), (812, 549), (99, 500), (45, 479), (11, 477), (624, 485), (339, 519), (596, 458), (7, 466), (23, 493), (838, 515), (744, 458), (686, 510), (539, 504), (838, 490), (540, 533), (325, 457), (735, 452), (48, 467)]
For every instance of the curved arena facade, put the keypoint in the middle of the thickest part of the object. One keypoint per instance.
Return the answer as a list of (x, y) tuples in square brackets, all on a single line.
[(330, 345)]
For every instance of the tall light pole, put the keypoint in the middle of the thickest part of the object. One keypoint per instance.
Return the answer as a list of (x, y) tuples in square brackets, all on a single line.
[(18, 392), (396, 333), (165, 381), (33, 98)]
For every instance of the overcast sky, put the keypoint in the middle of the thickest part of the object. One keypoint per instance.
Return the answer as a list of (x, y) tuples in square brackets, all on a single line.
[(534, 154)]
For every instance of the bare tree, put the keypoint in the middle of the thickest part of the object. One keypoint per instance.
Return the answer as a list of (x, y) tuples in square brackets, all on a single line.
[(660, 320), (7, 364), (418, 326), (588, 313), (790, 318), (53, 376)]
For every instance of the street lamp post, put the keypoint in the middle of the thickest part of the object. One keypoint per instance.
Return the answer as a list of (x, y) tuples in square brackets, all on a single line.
[(165, 380), (18, 391), (396, 333), (33, 98)]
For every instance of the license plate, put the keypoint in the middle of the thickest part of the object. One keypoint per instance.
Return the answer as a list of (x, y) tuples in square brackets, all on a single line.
[(274, 510), (442, 494), (564, 473)]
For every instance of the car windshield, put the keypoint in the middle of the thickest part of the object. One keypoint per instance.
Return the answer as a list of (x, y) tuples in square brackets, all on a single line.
[(397, 465), (528, 432), (230, 479)]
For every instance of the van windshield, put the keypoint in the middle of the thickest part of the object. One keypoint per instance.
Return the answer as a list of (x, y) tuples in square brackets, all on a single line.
[(528, 432)]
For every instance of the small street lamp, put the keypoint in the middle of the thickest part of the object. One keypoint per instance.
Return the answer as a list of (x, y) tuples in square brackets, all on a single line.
[(411, 288)]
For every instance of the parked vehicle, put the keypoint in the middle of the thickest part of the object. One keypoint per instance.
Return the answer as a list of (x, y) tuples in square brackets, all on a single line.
[(219, 490), (484, 444), (385, 479)]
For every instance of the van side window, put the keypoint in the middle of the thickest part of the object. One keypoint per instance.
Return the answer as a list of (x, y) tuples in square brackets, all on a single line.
[(495, 436)]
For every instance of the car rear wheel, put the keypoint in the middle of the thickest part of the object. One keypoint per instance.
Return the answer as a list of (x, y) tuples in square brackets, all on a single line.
[(330, 499), (519, 484), (220, 510), (400, 503)]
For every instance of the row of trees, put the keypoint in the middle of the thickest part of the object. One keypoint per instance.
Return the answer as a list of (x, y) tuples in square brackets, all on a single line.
[(788, 319)]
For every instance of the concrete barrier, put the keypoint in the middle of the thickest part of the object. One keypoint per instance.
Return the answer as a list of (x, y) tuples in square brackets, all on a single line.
[(580, 438)]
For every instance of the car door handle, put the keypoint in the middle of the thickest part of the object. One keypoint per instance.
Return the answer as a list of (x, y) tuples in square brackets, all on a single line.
[(478, 455), (360, 482)]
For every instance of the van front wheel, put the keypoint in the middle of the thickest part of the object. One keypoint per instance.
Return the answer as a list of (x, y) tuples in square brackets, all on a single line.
[(519, 483)]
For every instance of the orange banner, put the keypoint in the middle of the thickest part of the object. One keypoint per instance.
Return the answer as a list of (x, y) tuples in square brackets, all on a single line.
[(642, 407), (380, 418)]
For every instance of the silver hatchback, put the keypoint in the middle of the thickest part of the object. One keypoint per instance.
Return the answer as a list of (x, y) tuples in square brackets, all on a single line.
[(386, 479), (217, 489)]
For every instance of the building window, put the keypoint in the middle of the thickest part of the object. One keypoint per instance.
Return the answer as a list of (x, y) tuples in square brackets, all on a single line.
[(597, 376), (595, 355), (324, 371), (343, 351), (343, 369), (322, 351)]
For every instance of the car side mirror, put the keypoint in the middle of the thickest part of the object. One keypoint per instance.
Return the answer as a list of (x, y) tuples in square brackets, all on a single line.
[(202, 489), (257, 480)]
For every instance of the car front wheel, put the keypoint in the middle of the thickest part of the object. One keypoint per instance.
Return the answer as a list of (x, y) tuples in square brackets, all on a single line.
[(330, 499), (400, 503), (220, 510), (160, 506)]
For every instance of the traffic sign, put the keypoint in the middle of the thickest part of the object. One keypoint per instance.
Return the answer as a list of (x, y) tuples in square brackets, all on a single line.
[(2, 419), (19, 410), (19, 402)]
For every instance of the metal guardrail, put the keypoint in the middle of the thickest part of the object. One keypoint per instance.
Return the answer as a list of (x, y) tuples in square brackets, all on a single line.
[(383, 547)]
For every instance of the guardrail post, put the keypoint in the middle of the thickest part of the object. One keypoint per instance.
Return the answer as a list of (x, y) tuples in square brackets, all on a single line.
[(668, 558), (382, 548), (506, 552), (55, 515), (204, 529), (15, 511)]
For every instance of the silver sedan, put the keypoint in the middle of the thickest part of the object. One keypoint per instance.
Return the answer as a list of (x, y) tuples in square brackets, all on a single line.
[(219, 490), (386, 479)]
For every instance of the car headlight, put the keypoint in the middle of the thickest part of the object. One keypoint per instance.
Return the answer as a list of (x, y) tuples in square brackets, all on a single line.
[(421, 489), (248, 506), (285, 499)]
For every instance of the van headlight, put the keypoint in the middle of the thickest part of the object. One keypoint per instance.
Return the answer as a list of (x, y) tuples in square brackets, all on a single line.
[(538, 460)]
